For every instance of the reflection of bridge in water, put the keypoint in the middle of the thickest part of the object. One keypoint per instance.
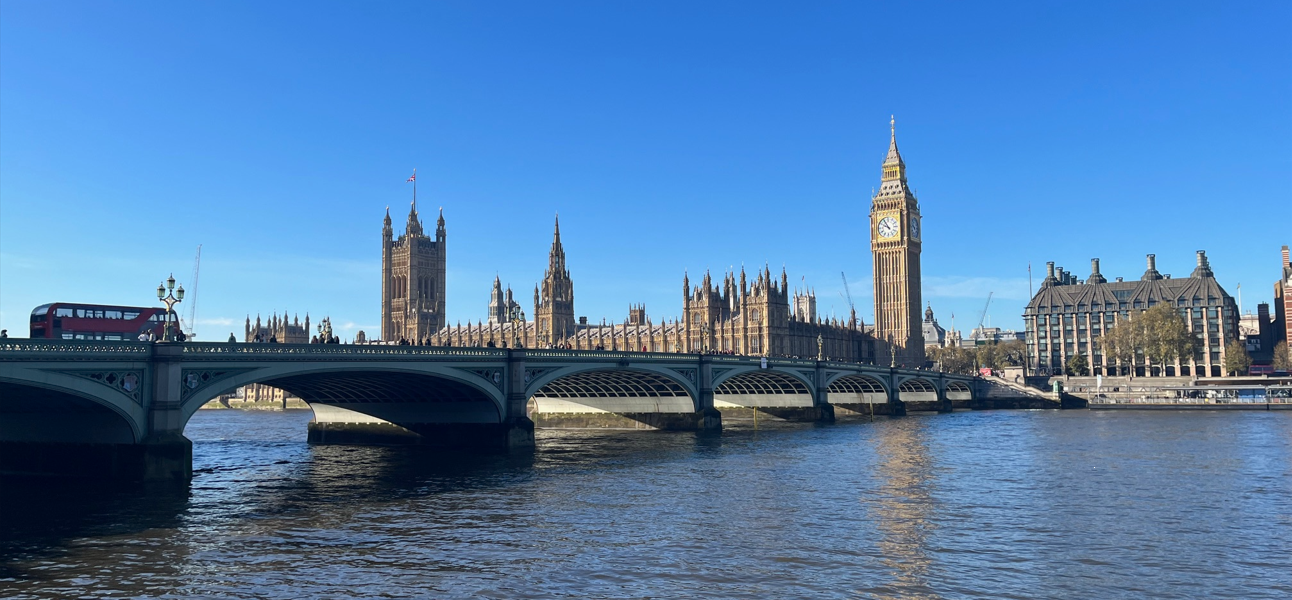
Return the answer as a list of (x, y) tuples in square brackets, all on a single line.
[(121, 407)]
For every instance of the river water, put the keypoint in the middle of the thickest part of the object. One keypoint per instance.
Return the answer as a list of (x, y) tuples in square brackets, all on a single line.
[(1001, 504)]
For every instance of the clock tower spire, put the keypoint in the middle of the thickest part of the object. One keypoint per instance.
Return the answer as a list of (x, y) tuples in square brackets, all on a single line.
[(895, 246)]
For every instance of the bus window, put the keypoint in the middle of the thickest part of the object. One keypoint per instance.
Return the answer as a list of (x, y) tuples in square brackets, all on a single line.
[(131, 315), (112, 314), (63, 312)]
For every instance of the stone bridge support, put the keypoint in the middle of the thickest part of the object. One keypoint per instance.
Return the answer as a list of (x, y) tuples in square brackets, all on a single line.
[(164, 453), (708, 417), (821, 395), (518, 429), (896, 406)]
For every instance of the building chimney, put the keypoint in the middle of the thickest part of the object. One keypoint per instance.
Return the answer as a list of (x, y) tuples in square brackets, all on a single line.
[(1204, 268), (1095, 275), (1119, 280), (1050, 277), (1151, 273)]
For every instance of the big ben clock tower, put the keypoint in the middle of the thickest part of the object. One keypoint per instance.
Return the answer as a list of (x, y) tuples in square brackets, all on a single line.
[(895, 245)]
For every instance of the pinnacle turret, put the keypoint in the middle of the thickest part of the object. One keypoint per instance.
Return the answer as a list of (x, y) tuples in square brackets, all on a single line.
[(894, 166)]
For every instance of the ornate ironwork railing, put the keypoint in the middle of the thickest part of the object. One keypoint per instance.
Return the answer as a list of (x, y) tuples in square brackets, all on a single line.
[(340, 350), (609, 355), (24, 347)]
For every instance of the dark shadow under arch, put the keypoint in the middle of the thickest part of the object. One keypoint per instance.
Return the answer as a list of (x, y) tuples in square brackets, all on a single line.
[(30, 413)]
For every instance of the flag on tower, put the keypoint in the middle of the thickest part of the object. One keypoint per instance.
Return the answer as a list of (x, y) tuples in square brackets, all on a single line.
[(413, 178)]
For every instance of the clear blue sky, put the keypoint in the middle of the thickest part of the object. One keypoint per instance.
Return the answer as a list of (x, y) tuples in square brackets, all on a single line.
[(669, 136)]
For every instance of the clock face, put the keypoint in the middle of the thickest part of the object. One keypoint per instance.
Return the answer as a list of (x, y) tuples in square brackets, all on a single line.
[(915, 228), (887, 227)]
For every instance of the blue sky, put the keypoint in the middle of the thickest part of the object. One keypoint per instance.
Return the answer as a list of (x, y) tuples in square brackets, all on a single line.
[(669, 136)]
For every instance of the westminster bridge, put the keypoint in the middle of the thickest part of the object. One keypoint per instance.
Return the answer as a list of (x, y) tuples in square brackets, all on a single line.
[(120, 408)]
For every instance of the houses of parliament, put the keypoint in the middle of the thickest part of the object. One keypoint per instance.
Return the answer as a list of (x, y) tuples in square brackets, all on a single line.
[(738, 313)]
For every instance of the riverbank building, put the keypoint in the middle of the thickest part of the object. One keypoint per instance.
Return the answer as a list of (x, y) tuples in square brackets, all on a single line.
[(1068, 315)]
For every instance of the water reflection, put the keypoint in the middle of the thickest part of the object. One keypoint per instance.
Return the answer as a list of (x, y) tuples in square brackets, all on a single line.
[(902, 504)]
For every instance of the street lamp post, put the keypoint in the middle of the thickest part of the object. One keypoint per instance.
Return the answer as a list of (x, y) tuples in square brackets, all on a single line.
[(169, 296), (517, 326)]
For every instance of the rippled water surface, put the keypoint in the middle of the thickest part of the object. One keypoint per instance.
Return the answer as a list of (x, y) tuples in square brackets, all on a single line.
[(1004, 504)]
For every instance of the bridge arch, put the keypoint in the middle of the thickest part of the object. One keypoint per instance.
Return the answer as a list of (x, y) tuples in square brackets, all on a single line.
[(611, 389), (959, 390), (762, 388), (857, 389), (63, 407), (399, 393), (917, 389)]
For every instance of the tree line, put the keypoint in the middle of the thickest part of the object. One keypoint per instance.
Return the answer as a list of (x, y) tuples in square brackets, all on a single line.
[(967, 361)]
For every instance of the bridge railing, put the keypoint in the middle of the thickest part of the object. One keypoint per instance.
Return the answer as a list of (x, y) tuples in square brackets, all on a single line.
[(611, 355), (27, 348), (337, 350)]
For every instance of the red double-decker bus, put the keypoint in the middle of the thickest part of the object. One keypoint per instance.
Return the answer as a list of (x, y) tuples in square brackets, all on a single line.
[(65, 321)]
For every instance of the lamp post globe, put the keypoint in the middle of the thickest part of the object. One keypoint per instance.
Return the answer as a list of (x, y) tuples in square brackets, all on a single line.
[(179, 294), (170, 282), (161, 291)]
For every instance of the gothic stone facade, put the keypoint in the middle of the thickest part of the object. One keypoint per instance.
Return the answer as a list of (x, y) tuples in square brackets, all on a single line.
[(412, 279), (280, 329), (895, 246), (736, 317), (1067, 317), (759, 317)]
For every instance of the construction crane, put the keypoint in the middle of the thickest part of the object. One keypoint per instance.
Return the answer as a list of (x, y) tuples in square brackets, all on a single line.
[(983, 316), (851, 308), (192, 294)]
